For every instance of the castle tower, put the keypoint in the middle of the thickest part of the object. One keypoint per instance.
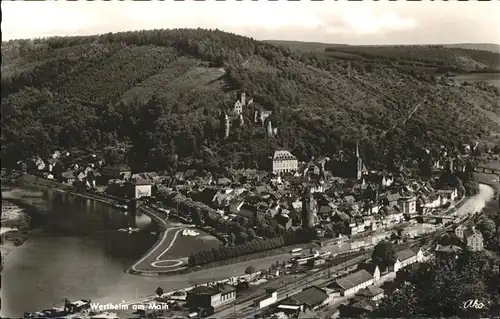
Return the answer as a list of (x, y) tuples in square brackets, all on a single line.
[(243, 99), (227, 126), (308, 209), (359, 163), (269, 129)]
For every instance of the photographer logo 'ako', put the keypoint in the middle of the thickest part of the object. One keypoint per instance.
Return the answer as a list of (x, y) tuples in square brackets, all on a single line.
[(473, 304)]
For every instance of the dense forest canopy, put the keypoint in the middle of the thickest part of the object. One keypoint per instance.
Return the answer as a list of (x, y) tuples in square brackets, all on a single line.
[(466, 57), (162, 93)]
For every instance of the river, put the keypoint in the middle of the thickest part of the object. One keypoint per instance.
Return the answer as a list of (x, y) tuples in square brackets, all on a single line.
[(75, 252)]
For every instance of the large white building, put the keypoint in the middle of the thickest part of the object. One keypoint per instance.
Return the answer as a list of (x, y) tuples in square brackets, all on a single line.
[(474, 239), (408, 205), (471, 236), (284, 162)]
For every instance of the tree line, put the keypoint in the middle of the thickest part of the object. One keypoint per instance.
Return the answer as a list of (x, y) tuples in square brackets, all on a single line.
[(223, 253)]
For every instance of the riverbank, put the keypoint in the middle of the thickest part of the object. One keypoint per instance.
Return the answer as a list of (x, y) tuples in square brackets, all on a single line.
[(16, 218), (15, 225), (15, 178)]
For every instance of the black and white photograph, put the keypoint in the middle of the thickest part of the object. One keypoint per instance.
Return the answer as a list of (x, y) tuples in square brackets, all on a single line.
[(250, 159)]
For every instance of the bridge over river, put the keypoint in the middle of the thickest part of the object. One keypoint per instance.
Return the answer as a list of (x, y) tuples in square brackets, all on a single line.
[(487, 169)]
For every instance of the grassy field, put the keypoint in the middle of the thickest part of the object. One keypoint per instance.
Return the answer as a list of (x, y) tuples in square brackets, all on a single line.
[(186, 245)]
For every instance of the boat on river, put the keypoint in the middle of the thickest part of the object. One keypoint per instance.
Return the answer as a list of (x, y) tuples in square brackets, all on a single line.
[(69, 310), (130, 230)]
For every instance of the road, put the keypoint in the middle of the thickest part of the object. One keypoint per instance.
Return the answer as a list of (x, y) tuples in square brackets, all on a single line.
[(147, 287), (320, 278), (152, 261), (246, 308)]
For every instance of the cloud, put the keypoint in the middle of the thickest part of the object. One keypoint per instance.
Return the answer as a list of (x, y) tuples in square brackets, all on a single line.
[(321, 21), (367, 22)]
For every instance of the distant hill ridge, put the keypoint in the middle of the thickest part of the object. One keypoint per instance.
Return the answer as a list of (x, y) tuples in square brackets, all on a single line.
[(429, 58), (164, 92), (492, 47)]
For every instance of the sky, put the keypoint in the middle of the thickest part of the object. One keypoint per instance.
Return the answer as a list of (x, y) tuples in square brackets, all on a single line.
[(365, 22)]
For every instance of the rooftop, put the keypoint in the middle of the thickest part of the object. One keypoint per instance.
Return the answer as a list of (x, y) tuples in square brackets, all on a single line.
[(283, 155), (204, 290), (405, 254), (370, 291), (310, 297), (365, 304), (448, 249), (121, 167), (354, 279), (140, 181), (472, 231)]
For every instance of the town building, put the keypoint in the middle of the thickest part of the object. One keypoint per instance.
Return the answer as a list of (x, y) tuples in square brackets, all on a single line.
[(266, 301), (315, 262), (140, 188), (211, 296), (283, 220), (353, 168), (284, 162), (122, 172), (474, 239), (471, 236), (371, 292), (351, 284), (459, 231), (407, 257), (311, 298), (363, 303), (447, 252), (357, 308), (408, 205)]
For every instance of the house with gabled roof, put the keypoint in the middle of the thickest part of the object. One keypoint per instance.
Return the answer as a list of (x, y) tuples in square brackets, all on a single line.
[(474, 239), (407, 257), (392, 199), (370, 292), (121, 171), (447, 252), (311, 298), (352, 283), (357, 308)]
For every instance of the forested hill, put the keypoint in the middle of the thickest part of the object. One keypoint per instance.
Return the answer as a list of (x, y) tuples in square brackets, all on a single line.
[(464, 57), (320, 47), (492, 47), (162, 91)]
